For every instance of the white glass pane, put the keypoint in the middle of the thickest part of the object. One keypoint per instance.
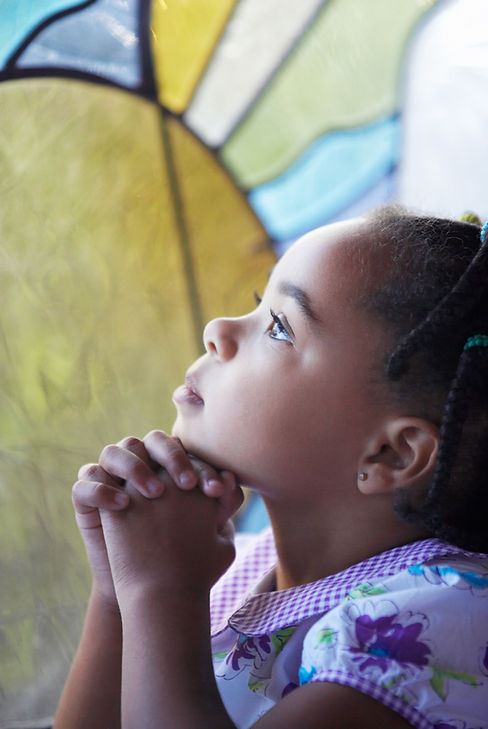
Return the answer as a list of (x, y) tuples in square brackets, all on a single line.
[(446, 112), (256, 39)]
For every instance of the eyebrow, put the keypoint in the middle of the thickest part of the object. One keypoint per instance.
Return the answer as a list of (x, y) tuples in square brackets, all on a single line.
[(301, 297)]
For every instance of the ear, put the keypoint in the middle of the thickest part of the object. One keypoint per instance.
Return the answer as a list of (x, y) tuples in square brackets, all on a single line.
[(401, 454)]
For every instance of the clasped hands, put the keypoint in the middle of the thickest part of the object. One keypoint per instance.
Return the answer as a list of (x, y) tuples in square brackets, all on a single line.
[(154, 519)]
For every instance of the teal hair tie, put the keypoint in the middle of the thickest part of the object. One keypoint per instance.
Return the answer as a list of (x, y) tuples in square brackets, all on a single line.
[(483, 231), (478, 340)]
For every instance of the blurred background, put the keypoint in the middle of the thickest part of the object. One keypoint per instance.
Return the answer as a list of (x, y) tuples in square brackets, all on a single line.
[(156, 157)]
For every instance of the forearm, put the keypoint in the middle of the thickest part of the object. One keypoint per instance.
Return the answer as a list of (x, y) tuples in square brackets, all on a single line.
[(167, 677), (91, 696)]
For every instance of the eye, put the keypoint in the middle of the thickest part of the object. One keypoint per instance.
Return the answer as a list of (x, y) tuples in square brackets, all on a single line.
[(277, 329)]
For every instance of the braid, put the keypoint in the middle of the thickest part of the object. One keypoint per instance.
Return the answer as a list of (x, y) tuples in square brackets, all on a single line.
[(456, 304), (448, 509), (434, 298)]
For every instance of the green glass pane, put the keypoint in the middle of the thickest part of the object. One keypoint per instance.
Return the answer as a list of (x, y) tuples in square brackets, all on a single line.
[(345, 72)]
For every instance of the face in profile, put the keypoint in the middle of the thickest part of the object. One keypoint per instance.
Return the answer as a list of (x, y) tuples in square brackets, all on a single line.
[(282, 393)]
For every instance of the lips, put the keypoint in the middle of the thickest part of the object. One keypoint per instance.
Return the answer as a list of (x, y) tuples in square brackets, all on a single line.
[(192, 388), (188, 393)]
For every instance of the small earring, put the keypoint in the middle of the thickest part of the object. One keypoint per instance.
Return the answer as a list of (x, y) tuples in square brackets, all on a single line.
[(362, 476)]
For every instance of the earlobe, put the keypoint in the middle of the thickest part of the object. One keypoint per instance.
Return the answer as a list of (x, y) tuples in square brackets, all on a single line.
[(401, 454)]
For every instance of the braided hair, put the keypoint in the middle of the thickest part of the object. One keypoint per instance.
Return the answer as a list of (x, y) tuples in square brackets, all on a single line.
[(433, 299)]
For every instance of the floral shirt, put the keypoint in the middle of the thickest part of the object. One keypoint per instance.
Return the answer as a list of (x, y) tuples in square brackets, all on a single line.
[(408, 627)]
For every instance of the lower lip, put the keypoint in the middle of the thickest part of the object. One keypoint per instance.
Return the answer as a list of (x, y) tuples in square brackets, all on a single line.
[(183, 394)]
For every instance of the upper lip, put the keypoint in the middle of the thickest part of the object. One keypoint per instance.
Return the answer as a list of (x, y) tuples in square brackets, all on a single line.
[(190, 384)]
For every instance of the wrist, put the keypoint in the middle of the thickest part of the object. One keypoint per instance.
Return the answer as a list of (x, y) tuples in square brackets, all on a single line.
[(143, 598), (104, 600)]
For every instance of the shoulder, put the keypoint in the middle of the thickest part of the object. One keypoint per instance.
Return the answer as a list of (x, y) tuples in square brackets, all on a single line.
[(416, 640), (333, 706)]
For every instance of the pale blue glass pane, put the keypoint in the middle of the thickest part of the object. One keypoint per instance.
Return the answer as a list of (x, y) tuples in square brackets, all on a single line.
[(331, 175), (101, 39), (382, 192), (19, 17), (255, 517)]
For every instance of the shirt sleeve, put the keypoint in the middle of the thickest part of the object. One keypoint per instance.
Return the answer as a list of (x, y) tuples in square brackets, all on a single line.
[(417, 642)]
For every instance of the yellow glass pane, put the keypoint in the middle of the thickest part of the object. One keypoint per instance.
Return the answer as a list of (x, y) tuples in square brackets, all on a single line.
[(184, 33), (215, 210), (96, 330)]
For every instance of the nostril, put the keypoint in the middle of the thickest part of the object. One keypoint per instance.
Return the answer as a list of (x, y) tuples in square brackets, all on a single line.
[(219, 338)]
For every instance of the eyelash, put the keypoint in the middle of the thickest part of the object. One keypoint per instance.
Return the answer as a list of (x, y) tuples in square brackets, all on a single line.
[(281, 328), (276, 323)]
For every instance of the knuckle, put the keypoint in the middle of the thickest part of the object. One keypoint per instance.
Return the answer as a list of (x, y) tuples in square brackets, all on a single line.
[(108, 452), (131, 442), (88, 470), (202, 468), (155, 435)]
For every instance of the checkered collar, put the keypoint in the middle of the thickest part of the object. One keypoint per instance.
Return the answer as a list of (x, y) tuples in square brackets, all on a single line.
[(258, 612)]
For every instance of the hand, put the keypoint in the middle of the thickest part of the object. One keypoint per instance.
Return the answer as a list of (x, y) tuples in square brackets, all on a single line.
[(137, 461), (96, 489), (178, 544), (146, 464)]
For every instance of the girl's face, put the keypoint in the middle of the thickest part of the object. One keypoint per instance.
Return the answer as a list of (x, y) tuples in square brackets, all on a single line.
[(283, 395)]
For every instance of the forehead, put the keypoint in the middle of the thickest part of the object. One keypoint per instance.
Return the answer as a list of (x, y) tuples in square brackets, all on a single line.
[(326, 259)]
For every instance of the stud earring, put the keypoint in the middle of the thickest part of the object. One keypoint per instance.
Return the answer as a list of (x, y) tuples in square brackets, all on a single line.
[(362, 476)]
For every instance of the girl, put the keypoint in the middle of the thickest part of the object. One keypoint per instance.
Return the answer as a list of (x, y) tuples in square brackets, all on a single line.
[(354, 400)]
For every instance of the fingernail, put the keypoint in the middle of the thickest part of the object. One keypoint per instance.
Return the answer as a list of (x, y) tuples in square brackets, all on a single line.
[(187, 479), (213, 486), (155, 487), (121, 498)]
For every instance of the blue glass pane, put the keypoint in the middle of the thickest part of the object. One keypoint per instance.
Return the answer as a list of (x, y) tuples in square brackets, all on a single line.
[(101, 39), (334, 172), (255, 517), (19, 17), (383, 192)]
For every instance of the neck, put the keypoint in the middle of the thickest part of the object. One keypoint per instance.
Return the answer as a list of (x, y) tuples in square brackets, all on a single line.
[(312, 544)]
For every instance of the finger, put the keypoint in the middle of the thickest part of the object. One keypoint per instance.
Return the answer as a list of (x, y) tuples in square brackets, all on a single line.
[(230, 500), (228, 530), (122, 463), (169, 453), (90, 495), (136, 446), (94, 472), (209, 479)]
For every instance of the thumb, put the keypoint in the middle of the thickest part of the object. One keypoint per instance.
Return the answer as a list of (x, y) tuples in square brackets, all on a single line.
[(230, 500)]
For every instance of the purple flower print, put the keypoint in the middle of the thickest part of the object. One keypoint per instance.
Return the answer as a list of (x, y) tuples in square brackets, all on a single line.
[(384, 640), (288, 689), (248, 648), (484, 660)]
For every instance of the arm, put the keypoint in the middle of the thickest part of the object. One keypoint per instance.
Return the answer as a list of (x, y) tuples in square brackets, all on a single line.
[(163, 583), (92, 691), (91, 695)]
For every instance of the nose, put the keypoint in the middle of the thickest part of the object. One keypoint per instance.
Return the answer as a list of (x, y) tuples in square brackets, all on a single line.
[(220, 338)]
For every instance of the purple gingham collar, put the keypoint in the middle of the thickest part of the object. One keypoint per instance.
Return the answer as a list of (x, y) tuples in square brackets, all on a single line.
[(265, 612)]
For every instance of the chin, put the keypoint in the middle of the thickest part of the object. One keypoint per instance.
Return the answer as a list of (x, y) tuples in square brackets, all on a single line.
[(201, 450), (192, 446)]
